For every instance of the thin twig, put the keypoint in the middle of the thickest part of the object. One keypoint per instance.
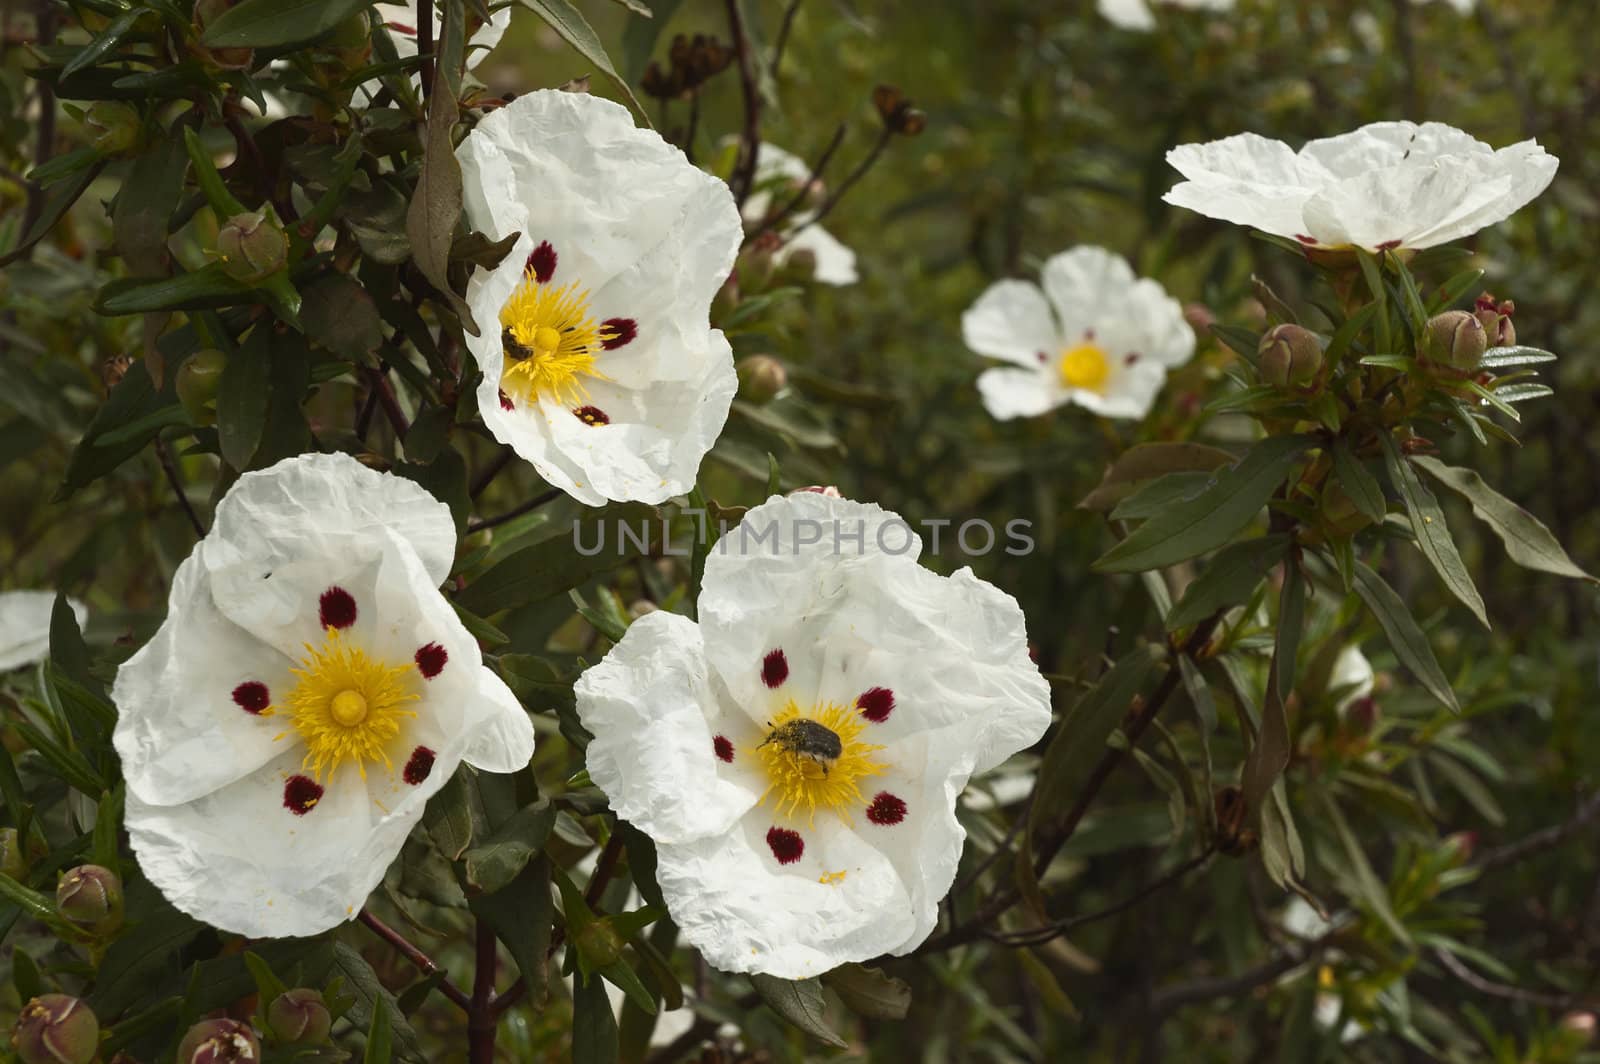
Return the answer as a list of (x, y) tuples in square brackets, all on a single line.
[(855, 175), (391, 406), (1003, 847), (1557, 1002), (500, 519), (1039, 935), (490, 471), (772, 221), (44, 146), (1543, 839), (425, 49), (482, 1020), (783, 36), (1173, 997), (694, 126), (420, 960), (744, 171), (168, 466)]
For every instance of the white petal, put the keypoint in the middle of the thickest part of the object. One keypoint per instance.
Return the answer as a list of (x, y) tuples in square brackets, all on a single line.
[(505, 742), (651, 709), (1009, 393), (25, 625), (1128, 14), (836, 263), (1089, 287), (1011, 320), (1246, 179), (401, 22), (1130, 393), (1352, 677), (1159, 331)]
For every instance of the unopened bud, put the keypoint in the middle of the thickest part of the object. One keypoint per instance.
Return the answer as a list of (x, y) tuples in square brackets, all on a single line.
[(219, 1042), (205, 13), (825, 490), (1340, 517), (90, 897), (1290, 357), (56, 1029), (761, 378), (1461, 844), (197, 384), (252, 247), (1495, 317), (639, 607), (799, 267), (599, 945), (1199, 317), (1361, 716), (299, 1016), (1455, 339), (115, 126), (757, 261)]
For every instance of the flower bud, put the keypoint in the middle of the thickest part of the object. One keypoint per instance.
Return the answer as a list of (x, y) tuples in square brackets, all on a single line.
[(252, 247), (1199, 317), (56, 1029), (1290, 357), (1340, 517), (299, 1016), (206, 12), (1362, 716), (197, 384), (639, 607), (825, 490), (1495, 317), (116, 127), (800, 267), (90, 897), (219, 1042), (1455, 339), (599, 945), (761, 378), (757, 261)]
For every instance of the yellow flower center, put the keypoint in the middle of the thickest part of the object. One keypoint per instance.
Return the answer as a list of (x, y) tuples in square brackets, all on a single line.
[(798, 779), (1085, 366), (550, 341), (347, 706)]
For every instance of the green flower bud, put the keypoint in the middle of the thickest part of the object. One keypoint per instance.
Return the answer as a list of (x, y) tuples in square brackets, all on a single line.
[(252, 247), (758, 261), (197, 384), (599, 945), (206, 12), (761, 378), (90, 897), (1455, 339), (219, 1042), (299, 1016), (56, 1029), (800, 267), (116, 127), (1290, 357), (1339, 515)]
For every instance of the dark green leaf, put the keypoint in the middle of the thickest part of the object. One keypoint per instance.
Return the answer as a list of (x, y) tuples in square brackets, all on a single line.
[(594, 1026), (1370, 887), (597, 541), (1228, 580), (362, 983), (202, 289), (1529, 543), (133, 398), (243, 396), (145, 204), (339, 315), (454, 817), (800, 1002), (1405, 637), (1433, 534), (1160, 493), (1358, 483), (276, 23), (1147, 461), (639, 38), (573, 28), (1269, 755), (103, 44), (379, 1039), (500, 858), (56, 204)]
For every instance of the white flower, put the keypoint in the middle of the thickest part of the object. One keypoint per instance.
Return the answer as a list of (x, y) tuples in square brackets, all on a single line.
[(25, 626), (1136, 14), (1388, 184), (599, 363), (1351, 678), (797, 755), (1462, 7), (1096, 336), (308, 691), (778, 174)]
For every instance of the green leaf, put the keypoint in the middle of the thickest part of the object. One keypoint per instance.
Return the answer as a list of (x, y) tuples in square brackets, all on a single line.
[(573, 28), (340, 315), (1147, 461), (1453, 289), (60, 200), (379, 1039), (1529, 543), (243, 395), (276, 23), (1433, 534), (30, 901), (800, 1002), (371, 996), (557, 564), (1211, 518), (268, 985), (1370, 887), (203, 289), (502, 856), (869, 992), (25, 975), (639, 38), (205, 172), (454, 817), (1269, 755), (436, 205), (1160, 493), (1282, 854), (1407, 640), (133, 399), (145, 205), (594, 1026), (1230, 578), (1358, 483), (1242, 341), (1501, 357), (103, 44)]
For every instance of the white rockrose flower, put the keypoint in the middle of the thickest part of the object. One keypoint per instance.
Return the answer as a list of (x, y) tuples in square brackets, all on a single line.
[(25, 626), (1096, 335), (1352, 678), (1385, 185), (401, 22), (599, 363), (308, 691), (1137, 14), (836, 264), (797, 755)]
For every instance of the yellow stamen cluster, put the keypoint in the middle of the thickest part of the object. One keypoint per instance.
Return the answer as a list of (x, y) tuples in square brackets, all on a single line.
[(798, 783), (346, 706), (550, 341), (1085, 366)]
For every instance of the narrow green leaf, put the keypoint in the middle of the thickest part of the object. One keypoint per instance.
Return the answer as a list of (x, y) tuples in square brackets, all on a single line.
[(594, 1025), (243, 395), (1529, 543), (573, 28), (1453, 289), (206, 288), (1291, 622), (1371, 888), (1405, 637), (1345, 334), (1156, 495), (639, 38), (597, 541), (103, 44), (1269, 755), (1147, 461), (1229, 579), (371, 995), (1242, 341), (1501, 357), (800, 1002), (277, 23), (1358, 482), (1433, 534), (205, 172), (145, 205), (379, 1039), (56, 204)]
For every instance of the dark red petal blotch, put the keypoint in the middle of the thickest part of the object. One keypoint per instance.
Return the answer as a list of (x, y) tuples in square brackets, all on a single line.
[(876, 703), (774, 668), (337, 608), (622, 330), (723, 748), (787, 846), (886, 809), (542, 262), (418, 766), (301, 794), (592, 416), (251, 696), (431, 658), (505, 401)]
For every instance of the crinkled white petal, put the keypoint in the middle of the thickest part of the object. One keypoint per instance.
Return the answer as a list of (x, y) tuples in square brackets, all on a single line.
[(1009, 392), (1011, 320), (25, 626), (650, 238), (836, 263)]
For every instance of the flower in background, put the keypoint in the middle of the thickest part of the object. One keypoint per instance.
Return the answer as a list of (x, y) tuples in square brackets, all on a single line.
[(599, 362), (401, 22), (1351, 678), (780, 176), (797, 755), (1095, 335), (1137, 15), (307, 693), (1462, 7), (1385, 185), (25, 626)]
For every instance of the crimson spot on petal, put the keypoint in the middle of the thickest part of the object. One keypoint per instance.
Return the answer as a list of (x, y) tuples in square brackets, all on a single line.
[(430, 659), (787, 846), (774, 668), (1130, 358), (301, 794), (723, 748), (876, 703), (622, 330), (337, 608), (419, 766), (1042, 356), (592, 416), (505, 401), (542, 262), (251, 696), (886, 809)]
